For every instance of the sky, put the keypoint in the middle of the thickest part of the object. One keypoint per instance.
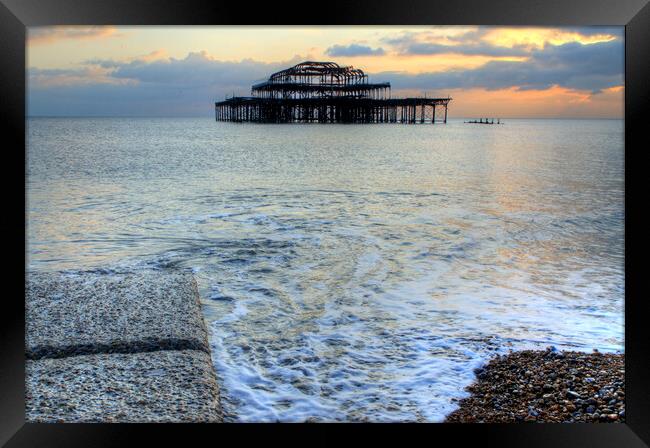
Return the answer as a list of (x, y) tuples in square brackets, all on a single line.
[(503, 72)]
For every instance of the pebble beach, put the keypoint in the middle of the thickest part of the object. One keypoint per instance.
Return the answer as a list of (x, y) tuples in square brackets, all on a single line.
[(546, 386)]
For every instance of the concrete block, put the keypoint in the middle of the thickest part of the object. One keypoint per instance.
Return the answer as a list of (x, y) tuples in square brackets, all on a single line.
[(162, 386), (73, 314)]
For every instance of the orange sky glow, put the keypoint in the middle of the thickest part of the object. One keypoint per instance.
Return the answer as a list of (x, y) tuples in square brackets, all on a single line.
[(488, 71)]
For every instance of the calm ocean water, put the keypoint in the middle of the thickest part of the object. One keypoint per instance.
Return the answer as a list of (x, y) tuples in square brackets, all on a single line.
[(348, 272)]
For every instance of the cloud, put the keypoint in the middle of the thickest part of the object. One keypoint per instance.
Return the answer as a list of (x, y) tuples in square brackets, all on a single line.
[(153, 56), (156, 84), (354, 50), (197, 69), (597, 30), (468, 43), (51, 34), (482, 49), (574, 66), (47, 78), (497, 42), (447, 36), (471, 36), (144, 85)]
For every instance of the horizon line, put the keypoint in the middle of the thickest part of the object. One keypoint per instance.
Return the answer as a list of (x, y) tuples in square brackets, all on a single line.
[(212, 117)]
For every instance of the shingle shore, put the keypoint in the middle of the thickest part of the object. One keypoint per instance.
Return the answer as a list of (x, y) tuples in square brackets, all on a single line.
[(546, 386), (117, 348)]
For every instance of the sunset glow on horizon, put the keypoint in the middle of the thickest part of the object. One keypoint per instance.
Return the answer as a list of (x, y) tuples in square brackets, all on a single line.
[(489, 71)]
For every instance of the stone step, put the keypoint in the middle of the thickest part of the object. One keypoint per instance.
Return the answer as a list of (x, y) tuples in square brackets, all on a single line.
[(86, 313), (117, 348), (162, 386)]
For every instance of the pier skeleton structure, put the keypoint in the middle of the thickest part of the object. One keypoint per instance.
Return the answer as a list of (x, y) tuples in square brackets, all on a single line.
[(324, 92)]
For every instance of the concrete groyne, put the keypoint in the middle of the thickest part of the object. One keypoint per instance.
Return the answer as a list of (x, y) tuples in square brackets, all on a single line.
[(117, 348)]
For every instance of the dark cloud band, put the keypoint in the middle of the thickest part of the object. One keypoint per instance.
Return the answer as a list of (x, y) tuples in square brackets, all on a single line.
[(593, 67), (353, 50)]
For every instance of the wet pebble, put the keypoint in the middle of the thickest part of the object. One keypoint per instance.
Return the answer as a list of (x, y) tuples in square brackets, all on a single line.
[(565, 387)]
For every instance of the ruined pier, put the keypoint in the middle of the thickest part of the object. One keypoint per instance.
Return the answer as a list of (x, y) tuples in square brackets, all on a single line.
[(324, 92)]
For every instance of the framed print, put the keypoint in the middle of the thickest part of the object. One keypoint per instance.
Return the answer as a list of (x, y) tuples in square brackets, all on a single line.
[(361, 214)]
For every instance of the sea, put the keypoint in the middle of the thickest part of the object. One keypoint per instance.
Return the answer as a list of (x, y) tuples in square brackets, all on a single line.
[(347, 272)]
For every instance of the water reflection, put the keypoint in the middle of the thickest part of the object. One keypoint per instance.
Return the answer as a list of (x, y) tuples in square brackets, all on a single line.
[(348, 272)]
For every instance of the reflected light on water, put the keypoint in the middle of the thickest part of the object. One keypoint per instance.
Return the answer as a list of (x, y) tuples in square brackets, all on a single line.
[(348, 272)]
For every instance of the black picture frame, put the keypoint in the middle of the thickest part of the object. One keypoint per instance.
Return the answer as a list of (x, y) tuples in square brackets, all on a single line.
[(16, 15)]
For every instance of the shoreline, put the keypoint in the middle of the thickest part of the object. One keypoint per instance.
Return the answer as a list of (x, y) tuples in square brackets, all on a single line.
[(121, 348), (546, 386)]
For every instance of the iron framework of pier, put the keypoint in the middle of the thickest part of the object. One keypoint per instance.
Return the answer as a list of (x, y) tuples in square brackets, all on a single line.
[(324, 92)]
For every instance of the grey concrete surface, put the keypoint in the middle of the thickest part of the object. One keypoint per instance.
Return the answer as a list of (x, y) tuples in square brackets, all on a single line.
[(117, 348), (162, 386), (72, 314)]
